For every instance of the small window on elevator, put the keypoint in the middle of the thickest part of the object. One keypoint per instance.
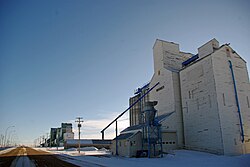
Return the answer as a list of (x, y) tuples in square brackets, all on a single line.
[(248, 104), (159, 72), (224, 101), (209, 100), (228, 52)]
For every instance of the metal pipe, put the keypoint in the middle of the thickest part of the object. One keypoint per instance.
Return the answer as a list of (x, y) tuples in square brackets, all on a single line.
[(116, 140), (237, 101), (50, 139), (149, 148), (102, 135)]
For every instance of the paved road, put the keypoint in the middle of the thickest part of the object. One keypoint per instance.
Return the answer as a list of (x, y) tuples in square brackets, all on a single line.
[(28, 157)]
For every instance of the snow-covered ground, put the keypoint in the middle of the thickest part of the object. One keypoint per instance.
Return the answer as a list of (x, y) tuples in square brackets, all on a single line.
[(179, 158), (73, 151), (6, 150)]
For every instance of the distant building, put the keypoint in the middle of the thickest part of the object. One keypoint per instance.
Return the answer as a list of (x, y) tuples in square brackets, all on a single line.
[(66, 132), (207, 97), (59, 135), (52, 140)]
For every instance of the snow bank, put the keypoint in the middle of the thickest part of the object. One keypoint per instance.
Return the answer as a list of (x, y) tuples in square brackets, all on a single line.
[(89, 149), (180, 158), (7, 150)]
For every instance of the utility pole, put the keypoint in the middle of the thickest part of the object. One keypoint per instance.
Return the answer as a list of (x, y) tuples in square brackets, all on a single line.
[(79, 121), (116, 140), (46, 140), (39, 141), (43, 140), (57, 138), (50, 139)]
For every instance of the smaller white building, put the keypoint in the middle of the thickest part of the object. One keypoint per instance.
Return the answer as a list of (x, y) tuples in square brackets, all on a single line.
[(128, 143)]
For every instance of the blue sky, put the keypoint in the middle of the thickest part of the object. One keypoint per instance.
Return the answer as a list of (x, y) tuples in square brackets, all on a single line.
[(63, 59)]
